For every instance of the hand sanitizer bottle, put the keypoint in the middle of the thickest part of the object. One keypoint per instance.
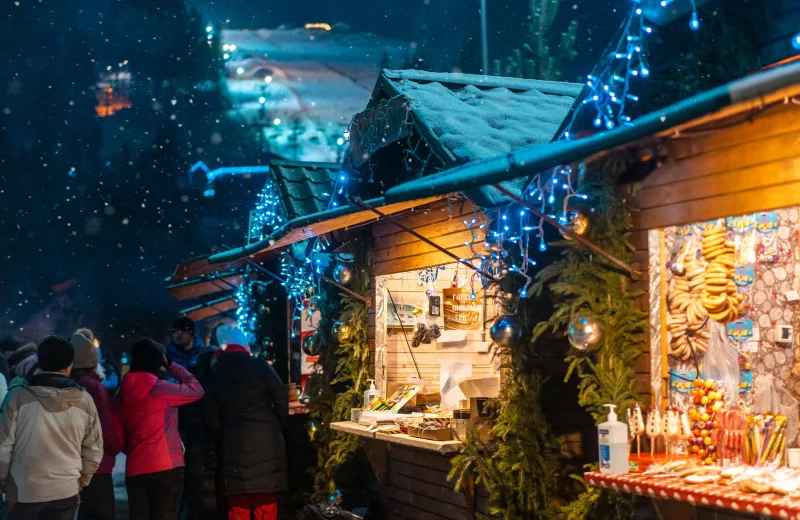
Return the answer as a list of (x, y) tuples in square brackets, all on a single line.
[(613, 441), (370, 392)]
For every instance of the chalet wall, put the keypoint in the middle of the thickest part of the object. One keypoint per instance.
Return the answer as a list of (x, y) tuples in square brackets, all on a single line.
[(739, 167), (396, 251)]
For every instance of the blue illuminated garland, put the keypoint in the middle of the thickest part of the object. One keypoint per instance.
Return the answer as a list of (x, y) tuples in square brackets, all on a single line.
[(267, 214), (609, 96)]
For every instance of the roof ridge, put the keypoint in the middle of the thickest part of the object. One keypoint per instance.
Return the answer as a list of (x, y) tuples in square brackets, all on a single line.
[(482, 81)]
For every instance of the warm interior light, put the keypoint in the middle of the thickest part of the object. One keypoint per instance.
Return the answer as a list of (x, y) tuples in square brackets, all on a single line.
[(318, 26)]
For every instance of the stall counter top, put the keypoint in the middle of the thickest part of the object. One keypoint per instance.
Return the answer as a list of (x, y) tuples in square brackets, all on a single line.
[(441, 447), (719, 496)]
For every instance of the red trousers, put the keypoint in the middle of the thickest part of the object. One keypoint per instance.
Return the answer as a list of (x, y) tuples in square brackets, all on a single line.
[(259, 506)]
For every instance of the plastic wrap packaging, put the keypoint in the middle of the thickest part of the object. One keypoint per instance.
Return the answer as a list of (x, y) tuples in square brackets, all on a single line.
[(771, 396), (722, 362)]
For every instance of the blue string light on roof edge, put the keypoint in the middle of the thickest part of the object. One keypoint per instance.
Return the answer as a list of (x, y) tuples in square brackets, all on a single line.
[(268, 216)]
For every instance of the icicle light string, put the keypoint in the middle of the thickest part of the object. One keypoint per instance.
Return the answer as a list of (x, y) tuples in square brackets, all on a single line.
[(267, 218), (609, 96)]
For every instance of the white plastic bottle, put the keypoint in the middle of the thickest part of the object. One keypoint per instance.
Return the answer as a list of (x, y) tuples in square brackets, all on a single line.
[(370, 392), (613, 441)]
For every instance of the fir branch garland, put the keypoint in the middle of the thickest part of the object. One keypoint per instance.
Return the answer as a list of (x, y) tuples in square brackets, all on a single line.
[(341, 379), (521, 470), (583, 284)]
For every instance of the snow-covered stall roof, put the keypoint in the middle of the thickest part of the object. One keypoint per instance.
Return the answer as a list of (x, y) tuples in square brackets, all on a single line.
[(475, 116)]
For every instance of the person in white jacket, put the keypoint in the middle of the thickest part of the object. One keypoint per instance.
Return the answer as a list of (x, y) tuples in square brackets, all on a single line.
[(50, 439)]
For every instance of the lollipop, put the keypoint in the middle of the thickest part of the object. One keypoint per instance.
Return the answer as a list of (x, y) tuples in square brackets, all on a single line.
[(653, 427), (638, 427), (686, 427)]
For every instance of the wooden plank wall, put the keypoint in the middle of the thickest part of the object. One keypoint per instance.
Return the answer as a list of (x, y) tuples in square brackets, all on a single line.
[(728, 168), (396, 251), (417, 488), (398, 361)]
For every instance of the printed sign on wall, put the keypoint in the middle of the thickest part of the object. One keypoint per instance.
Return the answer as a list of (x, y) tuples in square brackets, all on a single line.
[(461, 311)]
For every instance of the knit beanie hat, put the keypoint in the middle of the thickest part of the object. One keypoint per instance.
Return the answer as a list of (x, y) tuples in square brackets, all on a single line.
[(230, 335), (55, 354), (147, 355), (184, 323), (86, 354), (26, 366)]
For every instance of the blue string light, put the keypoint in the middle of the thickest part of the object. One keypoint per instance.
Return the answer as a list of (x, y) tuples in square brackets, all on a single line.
[(267, 214), (796, 42)]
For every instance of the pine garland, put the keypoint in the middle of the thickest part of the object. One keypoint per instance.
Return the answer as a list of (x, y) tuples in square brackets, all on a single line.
[(585, 285), (521, 471), (340, 384)]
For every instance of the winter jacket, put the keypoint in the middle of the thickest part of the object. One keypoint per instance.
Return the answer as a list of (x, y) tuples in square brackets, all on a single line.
[(50, 439), (148, 418), (183, 357), (112, 443), (201, 450), (246, 408)]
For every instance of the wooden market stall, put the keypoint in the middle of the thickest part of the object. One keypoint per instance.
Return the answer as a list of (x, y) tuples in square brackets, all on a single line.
[(416, 273), (717, 180)]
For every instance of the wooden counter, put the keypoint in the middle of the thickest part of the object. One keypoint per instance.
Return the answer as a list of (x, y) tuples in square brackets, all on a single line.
[(441, 447)]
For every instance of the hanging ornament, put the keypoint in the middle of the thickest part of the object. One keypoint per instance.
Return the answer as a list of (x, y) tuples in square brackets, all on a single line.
[(343, 274), (341, 330), (505, 331), (263, 308), (584, 332), (313, 304), (312, 429), (309, 291), (578, 224), (454, 283), (310, 345)]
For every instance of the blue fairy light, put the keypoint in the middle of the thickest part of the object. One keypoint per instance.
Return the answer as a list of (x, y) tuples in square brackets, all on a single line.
[(796, 42), (694, 23)]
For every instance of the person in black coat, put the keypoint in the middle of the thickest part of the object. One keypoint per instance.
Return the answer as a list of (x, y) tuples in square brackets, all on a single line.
[(200, 490), (246, 409)]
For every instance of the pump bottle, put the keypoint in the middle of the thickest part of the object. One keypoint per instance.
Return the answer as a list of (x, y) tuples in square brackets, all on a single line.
[(613, 441), (370, 392)]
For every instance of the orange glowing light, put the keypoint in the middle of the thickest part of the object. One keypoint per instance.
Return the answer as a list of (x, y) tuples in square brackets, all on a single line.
[(323, 26)]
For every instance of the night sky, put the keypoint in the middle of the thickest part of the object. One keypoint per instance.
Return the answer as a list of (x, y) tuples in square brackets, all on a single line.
[(97, 211)]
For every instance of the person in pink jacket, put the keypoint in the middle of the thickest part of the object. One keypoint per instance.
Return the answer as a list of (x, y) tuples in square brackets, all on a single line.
[(148, 419)]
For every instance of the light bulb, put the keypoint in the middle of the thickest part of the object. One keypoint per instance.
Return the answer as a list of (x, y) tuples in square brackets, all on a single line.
[(694, 23)]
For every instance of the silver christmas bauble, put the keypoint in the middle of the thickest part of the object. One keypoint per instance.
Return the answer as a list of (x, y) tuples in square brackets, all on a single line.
[(584, 332), (310, 345), (343, 274), (505, 331)]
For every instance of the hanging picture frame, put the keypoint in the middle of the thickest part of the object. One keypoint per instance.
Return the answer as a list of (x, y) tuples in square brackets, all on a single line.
[(434, 305)]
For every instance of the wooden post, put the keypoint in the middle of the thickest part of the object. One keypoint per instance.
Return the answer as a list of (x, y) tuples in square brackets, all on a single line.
[(662, 270)]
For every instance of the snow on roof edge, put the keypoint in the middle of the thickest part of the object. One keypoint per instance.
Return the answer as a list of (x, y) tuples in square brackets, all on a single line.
[(559, 88)]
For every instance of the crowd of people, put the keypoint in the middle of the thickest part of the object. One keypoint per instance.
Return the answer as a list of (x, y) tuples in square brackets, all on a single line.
[(201, 428)]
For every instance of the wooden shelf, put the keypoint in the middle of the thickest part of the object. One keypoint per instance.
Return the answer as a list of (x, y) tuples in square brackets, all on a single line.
[(441, 447)]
